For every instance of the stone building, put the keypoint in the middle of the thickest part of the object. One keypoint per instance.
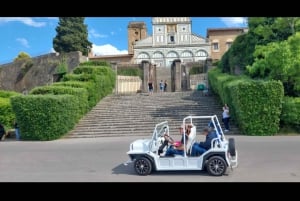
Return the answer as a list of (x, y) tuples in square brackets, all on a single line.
[(171, 50), (136, 31), (171, 39), (221, 40)]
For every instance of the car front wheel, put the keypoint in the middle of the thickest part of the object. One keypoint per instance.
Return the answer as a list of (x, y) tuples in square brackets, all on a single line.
[(143, 166), (216, 166)]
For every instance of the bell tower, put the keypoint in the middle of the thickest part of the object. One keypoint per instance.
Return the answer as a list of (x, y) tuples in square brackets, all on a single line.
[(136, 31)]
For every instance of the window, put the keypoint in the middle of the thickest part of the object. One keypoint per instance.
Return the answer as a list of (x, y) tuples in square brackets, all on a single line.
[(172, 39), (216, 46), (171, 28), (228, 45), (136, 33)]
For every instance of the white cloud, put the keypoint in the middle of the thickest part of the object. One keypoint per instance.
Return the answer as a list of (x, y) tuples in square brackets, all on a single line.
[(23, 42), (93, 33), (52, 18), (52, 50), (25, 20), (107, 49), (112, 33), (234, 21)]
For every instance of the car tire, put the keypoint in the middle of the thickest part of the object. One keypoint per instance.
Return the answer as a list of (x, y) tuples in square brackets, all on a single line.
[(231, 146), (216, 166), (143, 166)]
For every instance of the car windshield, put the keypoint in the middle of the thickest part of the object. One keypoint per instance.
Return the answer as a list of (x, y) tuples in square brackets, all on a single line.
[(160, 129)]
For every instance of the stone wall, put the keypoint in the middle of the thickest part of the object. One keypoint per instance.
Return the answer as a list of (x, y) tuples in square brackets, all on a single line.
[(198, 79), (224, 38), (39, 72), (128, 84)]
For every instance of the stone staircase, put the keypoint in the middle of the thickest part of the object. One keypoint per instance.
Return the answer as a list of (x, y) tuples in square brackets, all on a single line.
[(163, 73), (137, 114)]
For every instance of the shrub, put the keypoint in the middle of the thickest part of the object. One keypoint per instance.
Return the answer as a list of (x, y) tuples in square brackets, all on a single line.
[(7, 115), (291, 112), (80, 94), (89, 86), (95, 63), (254, 105), (44, 117)]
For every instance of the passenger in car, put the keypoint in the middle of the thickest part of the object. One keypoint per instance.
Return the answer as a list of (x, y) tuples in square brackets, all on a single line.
[(177, 147), (201, 147)]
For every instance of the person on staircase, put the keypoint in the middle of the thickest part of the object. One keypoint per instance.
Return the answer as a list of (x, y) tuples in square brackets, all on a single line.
[(161, 86), (226, 117), (165, 86), (150, 87)]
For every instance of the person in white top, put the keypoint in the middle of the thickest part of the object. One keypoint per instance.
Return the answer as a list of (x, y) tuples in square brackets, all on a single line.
[(226, 117)]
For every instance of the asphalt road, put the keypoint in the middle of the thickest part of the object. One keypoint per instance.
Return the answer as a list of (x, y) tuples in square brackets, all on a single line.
[(261, 159)]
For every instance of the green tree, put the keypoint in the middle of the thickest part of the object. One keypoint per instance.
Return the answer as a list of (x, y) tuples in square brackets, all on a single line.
[(239, 54), (22, 56), (262, 31), (279, 61), (272, 29), (72, 35)]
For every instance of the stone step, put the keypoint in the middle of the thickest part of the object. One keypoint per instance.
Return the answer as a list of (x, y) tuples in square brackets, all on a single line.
[(137, 114), (134, 132)]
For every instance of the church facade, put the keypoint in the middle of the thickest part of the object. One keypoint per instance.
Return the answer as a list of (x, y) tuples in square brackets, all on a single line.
[(171, 39)]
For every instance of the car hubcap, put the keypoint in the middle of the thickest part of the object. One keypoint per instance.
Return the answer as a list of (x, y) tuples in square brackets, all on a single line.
[(141, 166), (217, 166)]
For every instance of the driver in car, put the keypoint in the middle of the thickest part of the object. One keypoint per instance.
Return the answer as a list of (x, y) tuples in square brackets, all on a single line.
[(177, 147)]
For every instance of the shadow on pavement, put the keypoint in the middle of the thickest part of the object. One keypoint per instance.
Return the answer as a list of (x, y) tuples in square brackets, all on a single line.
[(124, 169), (129, 170)]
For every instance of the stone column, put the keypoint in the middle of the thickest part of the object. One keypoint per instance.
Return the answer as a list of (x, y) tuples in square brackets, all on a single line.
[(145, 66), (114, 66), (178, 75), (208, 66), (188, 80), (153, 76)]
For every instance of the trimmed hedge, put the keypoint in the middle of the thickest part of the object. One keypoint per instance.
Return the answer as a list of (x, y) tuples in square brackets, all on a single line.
[(80, 94), (103, 77), (8, 94), (254, 105), (44, 117), (89, 86), (45, 114), (7, 116), (291, 112), (131, 71), (258, 106), (96, 80), (95, 63), (99, 70)]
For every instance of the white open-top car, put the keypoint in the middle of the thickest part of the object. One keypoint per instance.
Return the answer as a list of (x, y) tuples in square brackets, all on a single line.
[(144, 153)]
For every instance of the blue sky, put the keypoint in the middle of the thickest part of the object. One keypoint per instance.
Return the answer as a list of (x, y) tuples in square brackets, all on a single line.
[(34, 35)]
